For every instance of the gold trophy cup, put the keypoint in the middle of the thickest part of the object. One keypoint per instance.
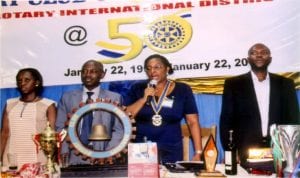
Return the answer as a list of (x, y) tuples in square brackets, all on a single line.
[(49, 141)]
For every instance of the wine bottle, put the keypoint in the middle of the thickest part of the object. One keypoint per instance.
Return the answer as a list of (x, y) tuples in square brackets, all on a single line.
[(230, 156)]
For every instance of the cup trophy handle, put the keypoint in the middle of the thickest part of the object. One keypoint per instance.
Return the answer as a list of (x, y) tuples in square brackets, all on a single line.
[(61, 136), (36, 139), (276, 150), (275, 138)]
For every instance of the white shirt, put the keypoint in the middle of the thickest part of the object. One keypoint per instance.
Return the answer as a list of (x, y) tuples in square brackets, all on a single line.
[(262, 90), (94, 96)]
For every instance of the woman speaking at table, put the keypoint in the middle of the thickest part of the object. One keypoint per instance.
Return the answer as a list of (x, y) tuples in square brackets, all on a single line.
[(158, 106)]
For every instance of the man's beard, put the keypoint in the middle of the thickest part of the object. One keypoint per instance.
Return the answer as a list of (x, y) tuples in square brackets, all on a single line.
[(259, 68)]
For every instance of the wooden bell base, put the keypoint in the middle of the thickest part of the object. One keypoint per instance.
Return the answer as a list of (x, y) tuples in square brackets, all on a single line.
[(206, 174)]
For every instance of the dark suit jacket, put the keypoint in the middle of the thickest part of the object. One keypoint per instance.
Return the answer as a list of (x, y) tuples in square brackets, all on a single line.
[(240, 110)]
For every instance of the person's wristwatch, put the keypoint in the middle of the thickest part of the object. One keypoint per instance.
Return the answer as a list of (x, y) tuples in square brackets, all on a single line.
[(198, 152)]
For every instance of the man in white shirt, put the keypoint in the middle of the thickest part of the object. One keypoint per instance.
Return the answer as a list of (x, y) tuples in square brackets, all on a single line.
[(254, 101)]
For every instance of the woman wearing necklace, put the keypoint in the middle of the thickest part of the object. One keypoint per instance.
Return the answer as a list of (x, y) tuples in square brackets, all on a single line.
[(25, 116), (158, 106)]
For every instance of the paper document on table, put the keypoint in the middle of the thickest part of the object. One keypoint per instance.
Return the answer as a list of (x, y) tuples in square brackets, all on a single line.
[(142, 160)]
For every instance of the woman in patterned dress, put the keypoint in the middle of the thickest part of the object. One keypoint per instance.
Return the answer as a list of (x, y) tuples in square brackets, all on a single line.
[(25, 116)]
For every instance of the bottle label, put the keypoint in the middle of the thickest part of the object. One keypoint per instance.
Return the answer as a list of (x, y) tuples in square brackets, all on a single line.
[(228, 167), (228, 157)]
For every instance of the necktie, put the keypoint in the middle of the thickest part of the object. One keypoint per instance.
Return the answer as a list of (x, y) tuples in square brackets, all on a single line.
[(87, 122)]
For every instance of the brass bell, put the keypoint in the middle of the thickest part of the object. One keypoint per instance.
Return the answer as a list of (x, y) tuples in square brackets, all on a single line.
[(99, 133)]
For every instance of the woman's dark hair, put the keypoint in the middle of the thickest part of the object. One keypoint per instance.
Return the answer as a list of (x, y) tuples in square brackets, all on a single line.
[(162, 59), (36, 76)]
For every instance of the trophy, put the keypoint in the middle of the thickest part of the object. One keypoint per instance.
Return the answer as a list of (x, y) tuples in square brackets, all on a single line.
[(285, 146), (210, 158), (49, 141)]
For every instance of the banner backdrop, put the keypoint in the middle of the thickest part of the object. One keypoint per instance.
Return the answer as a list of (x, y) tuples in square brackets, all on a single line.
[(201, 38)]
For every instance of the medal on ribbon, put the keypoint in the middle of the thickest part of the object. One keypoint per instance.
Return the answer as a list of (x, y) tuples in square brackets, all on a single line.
[(156, 106), (156, 120)]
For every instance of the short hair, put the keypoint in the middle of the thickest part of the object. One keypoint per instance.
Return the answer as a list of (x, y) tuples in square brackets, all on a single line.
[(162, 59), (98, 64), (36, 76), (258, 44)]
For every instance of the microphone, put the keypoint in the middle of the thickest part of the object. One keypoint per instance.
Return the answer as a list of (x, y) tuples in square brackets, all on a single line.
[(151, 84)]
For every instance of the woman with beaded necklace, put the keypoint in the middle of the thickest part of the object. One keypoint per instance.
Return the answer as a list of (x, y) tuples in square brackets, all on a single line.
[(24, 116)]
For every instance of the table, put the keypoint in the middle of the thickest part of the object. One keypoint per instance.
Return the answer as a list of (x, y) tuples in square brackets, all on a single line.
[(164, 173), (111, 171), (120, 172), (242, 173)]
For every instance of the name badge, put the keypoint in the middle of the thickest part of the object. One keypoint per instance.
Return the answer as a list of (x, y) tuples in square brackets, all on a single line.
[(167, 102)]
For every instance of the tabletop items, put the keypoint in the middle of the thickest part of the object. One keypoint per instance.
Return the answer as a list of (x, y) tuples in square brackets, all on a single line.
[(143, 160)]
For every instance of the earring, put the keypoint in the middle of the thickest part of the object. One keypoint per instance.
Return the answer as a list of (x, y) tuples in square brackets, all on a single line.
[(36, 85)]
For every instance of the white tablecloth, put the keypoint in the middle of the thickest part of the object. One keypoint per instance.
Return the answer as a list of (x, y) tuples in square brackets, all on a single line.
[(242, 173)]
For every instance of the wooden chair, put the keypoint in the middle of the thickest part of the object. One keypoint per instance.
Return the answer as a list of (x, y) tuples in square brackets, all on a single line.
[(205, 133)]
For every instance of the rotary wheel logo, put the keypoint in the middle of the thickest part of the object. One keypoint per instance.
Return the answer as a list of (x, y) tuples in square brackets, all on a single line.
[(112, 156), (169, 34)]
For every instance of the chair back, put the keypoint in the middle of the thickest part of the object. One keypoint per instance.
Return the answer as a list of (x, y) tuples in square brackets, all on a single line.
[(186, 136)]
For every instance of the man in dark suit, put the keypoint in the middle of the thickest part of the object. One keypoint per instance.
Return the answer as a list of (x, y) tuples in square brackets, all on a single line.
[(91, 74), (252, 102)]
